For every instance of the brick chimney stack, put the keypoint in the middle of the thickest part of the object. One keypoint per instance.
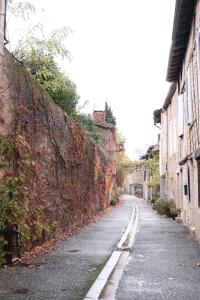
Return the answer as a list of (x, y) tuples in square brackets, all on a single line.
[(99, 116)]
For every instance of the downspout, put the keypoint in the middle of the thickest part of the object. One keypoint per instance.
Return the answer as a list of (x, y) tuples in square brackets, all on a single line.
[(6, 41)]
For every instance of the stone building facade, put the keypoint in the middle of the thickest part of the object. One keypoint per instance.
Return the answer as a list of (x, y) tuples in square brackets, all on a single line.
[(180, 116)]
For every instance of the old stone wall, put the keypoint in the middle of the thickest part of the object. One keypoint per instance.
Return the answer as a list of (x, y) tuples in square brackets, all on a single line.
[(63, 176)]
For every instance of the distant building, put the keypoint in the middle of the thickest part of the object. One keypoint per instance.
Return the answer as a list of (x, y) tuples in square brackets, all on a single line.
[(150, 193), (134, 183), (138, 183)]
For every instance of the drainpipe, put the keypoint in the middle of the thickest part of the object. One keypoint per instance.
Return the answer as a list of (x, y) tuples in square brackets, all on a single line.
[(5, 22)]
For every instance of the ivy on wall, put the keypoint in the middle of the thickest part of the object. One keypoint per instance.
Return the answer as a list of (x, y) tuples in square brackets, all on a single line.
[(11, 209)]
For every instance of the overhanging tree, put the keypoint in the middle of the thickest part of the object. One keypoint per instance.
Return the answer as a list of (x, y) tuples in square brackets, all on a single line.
[(39, 53)]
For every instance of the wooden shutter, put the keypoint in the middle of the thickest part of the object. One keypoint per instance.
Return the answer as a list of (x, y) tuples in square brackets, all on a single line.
[(180, 115), (198, 60), (189, 98)]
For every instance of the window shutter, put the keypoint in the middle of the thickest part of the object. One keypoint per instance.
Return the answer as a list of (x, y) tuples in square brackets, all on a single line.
[(174, 136), (170, 138), (198, 60), (180, 115), (189, 98)]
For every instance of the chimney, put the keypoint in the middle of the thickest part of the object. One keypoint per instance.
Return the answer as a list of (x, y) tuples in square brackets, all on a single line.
[(99, 116)]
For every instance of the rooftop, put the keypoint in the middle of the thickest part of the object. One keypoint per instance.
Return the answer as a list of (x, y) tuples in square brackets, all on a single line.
[(184, 13)]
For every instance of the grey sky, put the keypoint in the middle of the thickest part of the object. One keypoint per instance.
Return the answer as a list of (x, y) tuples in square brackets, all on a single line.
[(120, 52)]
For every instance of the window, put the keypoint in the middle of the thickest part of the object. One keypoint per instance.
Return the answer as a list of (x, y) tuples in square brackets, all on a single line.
[(145, 174), (188, 175), (180, 115), (185, 189), (170, 137), (188, 93)]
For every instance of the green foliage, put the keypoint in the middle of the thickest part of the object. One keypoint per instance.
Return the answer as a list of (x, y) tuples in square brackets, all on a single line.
[(2, 253), (42, 66), (116, 193), (131, 166), (153, 166), (87, 122), (30, 34), (109, 115), (166, 207), (6, 145), (7, 191), (120, 173), (23, 10), (162, 206), (120, 138), (11, 210), (4, 164), (7, 148), (39, 53), (122, 161)]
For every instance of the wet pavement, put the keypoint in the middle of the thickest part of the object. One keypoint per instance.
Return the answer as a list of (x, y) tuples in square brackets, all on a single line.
[(164, 263), (69, 271)]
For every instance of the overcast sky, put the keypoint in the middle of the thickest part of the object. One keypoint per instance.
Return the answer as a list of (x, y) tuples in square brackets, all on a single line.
[(120, 52)]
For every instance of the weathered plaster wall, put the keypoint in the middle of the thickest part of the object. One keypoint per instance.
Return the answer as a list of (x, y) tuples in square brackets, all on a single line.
[(66, 176), (189, 142), (169, 149), (191, 137)]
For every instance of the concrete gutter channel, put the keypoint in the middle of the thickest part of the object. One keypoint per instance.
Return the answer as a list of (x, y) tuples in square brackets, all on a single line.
[(106, 284)]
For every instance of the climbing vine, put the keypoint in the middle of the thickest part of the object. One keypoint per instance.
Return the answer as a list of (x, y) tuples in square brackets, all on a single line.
[(6, 187), (11, 189)]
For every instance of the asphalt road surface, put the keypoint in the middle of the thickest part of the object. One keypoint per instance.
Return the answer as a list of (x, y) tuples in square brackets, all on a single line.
[(164, 263), (68, 272)]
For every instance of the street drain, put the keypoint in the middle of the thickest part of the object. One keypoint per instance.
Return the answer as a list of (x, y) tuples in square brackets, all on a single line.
[(74, 250), (123, 249), (21, 291)]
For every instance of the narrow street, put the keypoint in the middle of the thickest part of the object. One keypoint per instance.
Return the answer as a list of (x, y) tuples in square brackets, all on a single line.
[(164, 263), (69, 271), (99, 150)]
